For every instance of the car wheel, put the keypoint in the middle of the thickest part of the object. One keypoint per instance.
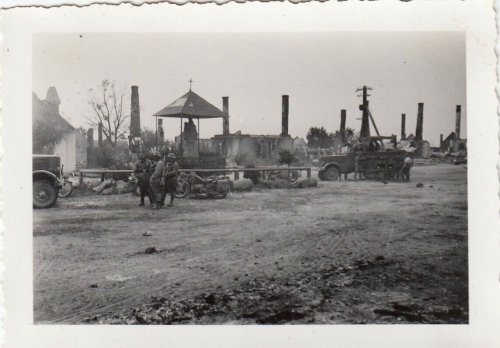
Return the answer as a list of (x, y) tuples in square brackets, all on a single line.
[(44, 194), (332, 173)]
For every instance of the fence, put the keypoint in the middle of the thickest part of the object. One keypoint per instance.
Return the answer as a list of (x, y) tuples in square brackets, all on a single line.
[(235, 171)]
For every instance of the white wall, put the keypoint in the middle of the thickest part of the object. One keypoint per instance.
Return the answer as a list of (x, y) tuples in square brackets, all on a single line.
[(66, 149)]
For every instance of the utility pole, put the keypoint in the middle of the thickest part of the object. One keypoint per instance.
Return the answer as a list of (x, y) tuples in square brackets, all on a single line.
[(365, 121)]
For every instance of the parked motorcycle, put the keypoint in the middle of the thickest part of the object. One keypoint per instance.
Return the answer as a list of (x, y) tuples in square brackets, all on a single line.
[(215, 186)]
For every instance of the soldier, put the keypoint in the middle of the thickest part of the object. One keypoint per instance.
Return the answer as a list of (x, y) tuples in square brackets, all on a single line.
[(157, 181), (357, 167), (407, 164), (171, 172), (397, 167), (142, 173)]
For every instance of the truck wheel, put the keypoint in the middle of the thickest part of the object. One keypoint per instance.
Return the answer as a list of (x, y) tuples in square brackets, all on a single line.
[(44, 194), (332, 173)]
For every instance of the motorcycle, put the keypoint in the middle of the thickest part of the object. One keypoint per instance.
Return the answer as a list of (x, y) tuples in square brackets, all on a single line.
[(215, 186)]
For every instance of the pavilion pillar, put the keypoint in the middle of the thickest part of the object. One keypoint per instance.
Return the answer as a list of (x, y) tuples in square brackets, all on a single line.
[(180, 148)]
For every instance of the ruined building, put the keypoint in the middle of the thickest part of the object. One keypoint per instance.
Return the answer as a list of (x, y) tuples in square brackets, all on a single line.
[(453, 142), (53, 134), (253, 149), (235, 148)]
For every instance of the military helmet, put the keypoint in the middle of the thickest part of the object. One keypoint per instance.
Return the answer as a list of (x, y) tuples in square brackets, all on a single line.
[(171, 155)]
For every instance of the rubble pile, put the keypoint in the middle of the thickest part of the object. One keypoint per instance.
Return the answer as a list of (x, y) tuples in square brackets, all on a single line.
[(330, 294), (286, 184), (242, 185), (107, 187)]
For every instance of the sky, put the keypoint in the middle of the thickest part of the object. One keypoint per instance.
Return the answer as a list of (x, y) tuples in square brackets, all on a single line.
[(319, 71)]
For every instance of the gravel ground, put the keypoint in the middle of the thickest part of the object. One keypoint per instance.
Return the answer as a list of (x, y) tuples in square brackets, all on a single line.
[(343, 252)]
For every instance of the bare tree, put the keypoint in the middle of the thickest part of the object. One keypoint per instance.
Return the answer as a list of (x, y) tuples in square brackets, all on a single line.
[(108, 105)]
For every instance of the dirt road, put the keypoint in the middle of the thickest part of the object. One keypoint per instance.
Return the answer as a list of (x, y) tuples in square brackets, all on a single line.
[(344, 252)]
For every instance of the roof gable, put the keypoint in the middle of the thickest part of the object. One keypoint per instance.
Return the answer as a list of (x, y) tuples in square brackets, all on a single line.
[(190, 105), (43, 111)]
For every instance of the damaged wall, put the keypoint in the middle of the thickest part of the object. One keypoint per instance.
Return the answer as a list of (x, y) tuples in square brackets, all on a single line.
[(246, 149)]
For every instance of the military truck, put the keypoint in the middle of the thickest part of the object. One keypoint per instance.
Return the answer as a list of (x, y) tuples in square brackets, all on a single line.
[(375, 161), (47, 180)]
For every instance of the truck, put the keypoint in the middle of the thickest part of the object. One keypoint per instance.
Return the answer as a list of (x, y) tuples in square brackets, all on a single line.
[(375, 161), (47, 180)]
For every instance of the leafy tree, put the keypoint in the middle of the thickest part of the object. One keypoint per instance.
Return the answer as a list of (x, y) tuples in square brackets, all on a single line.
[(115, 156), (349, 132), (46, 135), (149, 138), (108, 104), (319, 137)]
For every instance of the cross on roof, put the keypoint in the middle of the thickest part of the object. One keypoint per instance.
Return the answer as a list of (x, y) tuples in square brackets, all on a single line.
[(190, 83)]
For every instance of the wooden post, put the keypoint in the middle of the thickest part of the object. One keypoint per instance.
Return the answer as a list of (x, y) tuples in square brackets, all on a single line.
[(225, 124), (236, 175), (365, 119), (156, 133), (180, 149), (81, 179), (308, 172)]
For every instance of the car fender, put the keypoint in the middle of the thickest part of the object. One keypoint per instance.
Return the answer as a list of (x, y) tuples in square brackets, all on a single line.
[(46, 173), (329, 164)]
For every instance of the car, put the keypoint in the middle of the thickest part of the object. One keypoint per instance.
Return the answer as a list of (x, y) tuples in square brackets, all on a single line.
[(47, 180)]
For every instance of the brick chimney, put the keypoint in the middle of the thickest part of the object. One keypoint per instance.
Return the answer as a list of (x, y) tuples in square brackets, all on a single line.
[(161, 132), (342, 123), (457, 121), (90, 137), (403, 126), (420, 122), (135, 113), (99, 135), (52, 99), (225, 119), (284, 115)]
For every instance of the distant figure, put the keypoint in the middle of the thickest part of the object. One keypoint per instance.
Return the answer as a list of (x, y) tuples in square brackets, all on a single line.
[(170, 173), (397, 167), (407, 164), (142, 173), (190, 133), (157, 181), (374, 146), (190, 140), (357, 167)]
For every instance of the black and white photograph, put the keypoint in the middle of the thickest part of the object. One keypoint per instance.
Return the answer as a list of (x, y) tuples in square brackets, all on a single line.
[(261, 174), (250, 178)]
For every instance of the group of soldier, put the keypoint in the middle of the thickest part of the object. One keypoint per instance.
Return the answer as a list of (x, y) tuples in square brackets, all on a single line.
[(156, 178), (398, 169)]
